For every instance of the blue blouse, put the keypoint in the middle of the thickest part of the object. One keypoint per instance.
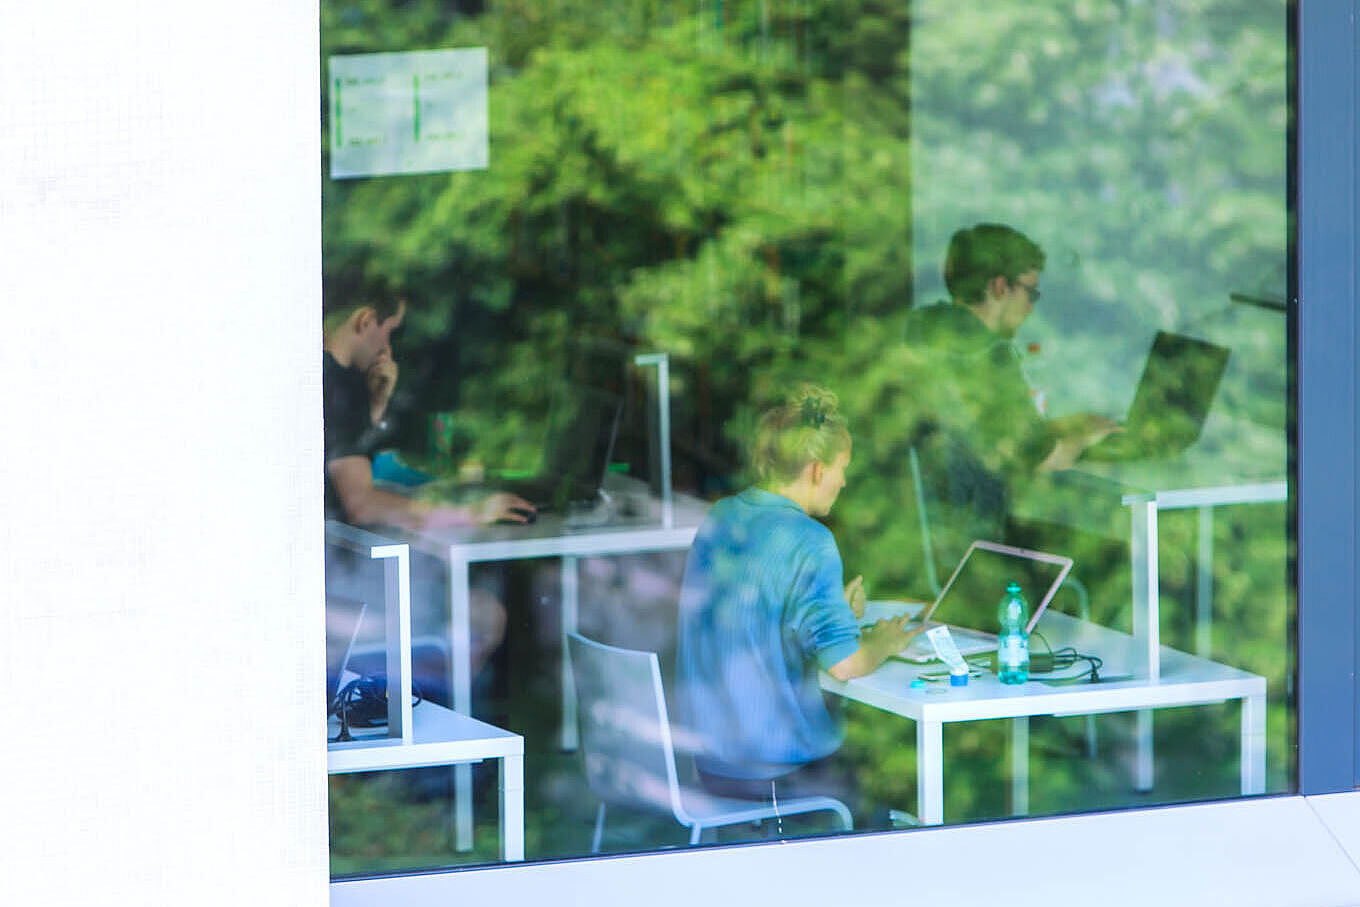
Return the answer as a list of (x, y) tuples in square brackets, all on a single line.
[(762, 609)]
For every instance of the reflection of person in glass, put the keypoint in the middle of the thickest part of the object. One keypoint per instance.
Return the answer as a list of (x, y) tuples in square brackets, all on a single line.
[(978, 429), (763, 609)]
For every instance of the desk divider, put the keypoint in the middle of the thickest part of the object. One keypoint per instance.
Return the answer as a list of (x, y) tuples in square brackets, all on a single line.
[(397, 586)]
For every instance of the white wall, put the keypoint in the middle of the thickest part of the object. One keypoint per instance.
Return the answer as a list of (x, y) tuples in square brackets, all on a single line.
[(160, 580)]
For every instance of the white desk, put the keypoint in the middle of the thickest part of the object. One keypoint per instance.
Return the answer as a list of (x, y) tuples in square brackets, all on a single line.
[(1200, 493), (1185, 680), (440, 736), (430, 735), (550, 536), (1233, 462)]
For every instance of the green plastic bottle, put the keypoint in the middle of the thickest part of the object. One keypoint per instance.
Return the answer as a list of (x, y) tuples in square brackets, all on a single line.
[(1012, 657)]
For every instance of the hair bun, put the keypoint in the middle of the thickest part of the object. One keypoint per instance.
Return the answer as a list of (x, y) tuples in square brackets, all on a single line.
[(814, 404)]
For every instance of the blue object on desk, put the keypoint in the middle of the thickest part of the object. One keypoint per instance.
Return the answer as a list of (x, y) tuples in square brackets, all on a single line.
[(388, 467), (918, 684), (958, 680)]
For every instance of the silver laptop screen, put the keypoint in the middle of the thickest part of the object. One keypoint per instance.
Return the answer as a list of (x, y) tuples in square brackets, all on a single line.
[(971, 600)]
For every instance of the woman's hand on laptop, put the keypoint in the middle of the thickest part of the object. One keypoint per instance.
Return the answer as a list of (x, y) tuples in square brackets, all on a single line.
[(893, 633), (877, 644), (854, 594)]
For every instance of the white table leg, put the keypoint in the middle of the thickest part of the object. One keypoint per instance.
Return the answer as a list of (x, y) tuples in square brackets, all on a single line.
[(1146, 624), (1143, 767), (1143, 558), (1020, 766), (1253, 744), (930, 772), (460, 685), (460, 635), (1204, 583), (571, 586), (512, 808)]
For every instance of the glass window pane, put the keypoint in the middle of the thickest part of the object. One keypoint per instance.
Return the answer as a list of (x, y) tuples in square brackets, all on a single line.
[(750, 342)]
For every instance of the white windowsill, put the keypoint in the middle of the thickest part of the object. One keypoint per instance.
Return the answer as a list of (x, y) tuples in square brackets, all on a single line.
[(1269, 851)]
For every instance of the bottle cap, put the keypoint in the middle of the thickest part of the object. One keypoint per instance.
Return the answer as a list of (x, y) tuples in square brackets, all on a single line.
[(958, 680)]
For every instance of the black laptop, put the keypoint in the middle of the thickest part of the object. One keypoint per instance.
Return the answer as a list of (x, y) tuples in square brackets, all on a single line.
[(583, 424), (1179, 382)]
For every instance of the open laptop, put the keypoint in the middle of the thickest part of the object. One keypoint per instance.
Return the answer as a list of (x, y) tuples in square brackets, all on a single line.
[(344, 617), (967, 604), (1180, 378), (582, 427)]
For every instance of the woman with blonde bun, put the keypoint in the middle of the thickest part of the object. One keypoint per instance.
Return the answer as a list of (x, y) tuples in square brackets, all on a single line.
[(764, 609)]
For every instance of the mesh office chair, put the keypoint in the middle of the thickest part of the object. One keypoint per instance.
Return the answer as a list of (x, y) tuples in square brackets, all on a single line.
[(629, 754)]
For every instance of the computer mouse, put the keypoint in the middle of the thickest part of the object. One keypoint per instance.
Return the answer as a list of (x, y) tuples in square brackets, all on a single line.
[(529, 515)]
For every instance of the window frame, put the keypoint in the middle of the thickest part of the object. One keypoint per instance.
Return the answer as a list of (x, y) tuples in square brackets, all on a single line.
[(1326, 381), (1324, 333)]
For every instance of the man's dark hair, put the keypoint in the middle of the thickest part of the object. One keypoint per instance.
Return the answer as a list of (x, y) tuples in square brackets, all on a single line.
[(344, 292), (342, 295), (978, 254)]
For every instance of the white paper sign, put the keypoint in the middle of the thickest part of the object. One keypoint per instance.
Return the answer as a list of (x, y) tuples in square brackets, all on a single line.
[(421, 111)]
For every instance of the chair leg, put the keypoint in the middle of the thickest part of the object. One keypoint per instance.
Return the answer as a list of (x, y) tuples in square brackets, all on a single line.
[(696, 832), (599, 830)]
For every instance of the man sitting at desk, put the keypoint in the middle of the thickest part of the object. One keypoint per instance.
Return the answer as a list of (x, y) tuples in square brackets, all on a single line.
[(358, 375), (763, 611), (977, 428)]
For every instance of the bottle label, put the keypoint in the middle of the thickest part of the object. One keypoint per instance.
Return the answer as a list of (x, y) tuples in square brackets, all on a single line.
[(1014, 651)]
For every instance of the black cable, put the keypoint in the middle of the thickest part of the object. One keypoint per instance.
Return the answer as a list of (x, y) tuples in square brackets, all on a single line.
[(1066, 657), (366, 696)]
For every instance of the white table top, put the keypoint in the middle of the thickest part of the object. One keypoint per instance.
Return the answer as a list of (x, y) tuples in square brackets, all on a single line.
[(633, 523), (440, 736), (1233, 462), (1185, 680)]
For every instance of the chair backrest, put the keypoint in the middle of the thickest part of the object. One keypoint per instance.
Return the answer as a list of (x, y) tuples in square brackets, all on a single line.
[(927, 544), (625, 729)]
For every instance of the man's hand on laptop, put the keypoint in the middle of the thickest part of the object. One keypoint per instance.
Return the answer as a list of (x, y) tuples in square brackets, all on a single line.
[(503, 507), (1076, 432)]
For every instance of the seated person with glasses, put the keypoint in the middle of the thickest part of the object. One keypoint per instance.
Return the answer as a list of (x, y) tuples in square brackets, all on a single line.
[(976, 424), (763, 610)]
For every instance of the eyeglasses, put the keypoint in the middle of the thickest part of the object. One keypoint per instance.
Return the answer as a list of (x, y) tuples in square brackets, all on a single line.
[(1031, 289)]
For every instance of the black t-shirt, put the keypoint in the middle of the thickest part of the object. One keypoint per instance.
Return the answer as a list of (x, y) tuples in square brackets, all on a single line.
[(348, 428)]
